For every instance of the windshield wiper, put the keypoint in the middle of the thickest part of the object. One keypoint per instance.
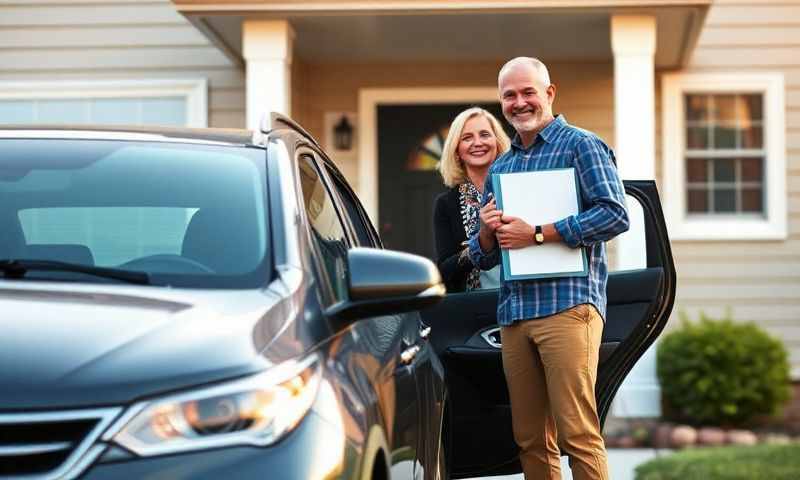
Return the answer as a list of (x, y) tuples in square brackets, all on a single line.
[(18, 268)]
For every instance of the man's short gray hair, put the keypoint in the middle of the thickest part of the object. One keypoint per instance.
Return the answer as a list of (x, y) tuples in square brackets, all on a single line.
[(538, 65)]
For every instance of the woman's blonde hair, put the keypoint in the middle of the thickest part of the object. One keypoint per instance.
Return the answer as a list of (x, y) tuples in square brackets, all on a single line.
[(450, 166)]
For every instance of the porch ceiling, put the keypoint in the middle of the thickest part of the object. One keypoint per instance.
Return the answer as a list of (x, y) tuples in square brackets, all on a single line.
[(464, 34)]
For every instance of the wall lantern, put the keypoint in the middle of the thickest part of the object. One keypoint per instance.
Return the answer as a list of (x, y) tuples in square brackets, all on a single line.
[(343, 134)]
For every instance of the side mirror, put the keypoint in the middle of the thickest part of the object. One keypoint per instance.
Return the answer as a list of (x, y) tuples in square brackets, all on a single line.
[(384, 282)]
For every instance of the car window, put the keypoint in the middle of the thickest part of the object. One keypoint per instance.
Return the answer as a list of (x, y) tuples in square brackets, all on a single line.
[(363, 230), (189, 215), (327, 232)]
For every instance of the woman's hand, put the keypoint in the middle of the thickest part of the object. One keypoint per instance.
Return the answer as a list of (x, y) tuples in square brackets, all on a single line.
[(490, 220)]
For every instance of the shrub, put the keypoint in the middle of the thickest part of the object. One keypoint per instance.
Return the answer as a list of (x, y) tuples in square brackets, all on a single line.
[(761, 462), (717, 372)]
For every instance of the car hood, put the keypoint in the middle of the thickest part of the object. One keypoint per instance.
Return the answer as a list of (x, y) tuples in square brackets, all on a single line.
[(91, 345)]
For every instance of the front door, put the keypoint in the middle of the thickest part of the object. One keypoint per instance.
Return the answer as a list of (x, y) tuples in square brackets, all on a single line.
[(466, 337), (410, 139)]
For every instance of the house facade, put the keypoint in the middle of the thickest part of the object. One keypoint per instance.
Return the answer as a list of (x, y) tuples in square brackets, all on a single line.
[(701, 95)]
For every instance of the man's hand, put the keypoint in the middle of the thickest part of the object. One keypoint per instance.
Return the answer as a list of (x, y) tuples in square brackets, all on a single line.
[(490, 220), (514, 233)]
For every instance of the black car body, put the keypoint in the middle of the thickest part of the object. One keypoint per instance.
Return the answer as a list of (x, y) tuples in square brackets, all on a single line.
[(266, 332)]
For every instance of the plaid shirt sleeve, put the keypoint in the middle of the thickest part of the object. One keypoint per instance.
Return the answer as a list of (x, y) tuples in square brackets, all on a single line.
[(479, 258), (602, 190)]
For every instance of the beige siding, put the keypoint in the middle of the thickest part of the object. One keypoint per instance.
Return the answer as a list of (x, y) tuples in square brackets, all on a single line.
[(130, 40), (757, 281)]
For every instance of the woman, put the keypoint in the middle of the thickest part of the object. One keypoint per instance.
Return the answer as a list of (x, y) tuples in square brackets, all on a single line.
[(474, 141)]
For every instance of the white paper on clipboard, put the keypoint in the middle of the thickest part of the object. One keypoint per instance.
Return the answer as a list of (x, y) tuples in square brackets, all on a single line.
[(541, 197)]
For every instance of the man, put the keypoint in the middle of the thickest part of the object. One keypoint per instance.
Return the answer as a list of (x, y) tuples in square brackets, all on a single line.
[(551, 328)]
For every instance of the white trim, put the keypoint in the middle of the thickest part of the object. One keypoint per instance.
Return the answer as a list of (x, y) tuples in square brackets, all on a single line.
[(684, 227), (430, 5), (368, 101), (195, 90)]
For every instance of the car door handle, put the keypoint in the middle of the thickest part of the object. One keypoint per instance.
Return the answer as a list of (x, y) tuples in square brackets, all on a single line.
[(409, 353), (425, 332), (492, 337)]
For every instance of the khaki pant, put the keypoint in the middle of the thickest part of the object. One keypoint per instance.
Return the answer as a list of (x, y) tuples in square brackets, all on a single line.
[(551, 368)]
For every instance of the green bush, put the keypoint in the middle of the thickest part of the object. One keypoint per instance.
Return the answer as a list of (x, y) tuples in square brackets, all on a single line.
[(760, 462), (717, 372)]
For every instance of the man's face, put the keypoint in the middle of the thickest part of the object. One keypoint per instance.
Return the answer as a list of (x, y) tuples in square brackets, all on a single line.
[(527, 103)]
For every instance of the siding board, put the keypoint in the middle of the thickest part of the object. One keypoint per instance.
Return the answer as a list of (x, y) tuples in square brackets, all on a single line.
[(112, 58), (763, 14), (56, 15), (83, 36)]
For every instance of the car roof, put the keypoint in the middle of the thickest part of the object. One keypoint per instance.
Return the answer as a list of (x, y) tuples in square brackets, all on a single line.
[(130, 133)]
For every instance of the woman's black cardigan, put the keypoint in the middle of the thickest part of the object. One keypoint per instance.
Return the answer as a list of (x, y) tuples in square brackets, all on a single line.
[(448, 232)]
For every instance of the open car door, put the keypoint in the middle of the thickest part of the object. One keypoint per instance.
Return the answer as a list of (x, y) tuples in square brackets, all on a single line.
[(467, 339)]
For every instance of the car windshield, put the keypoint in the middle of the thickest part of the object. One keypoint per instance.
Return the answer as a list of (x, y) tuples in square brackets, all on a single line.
[(188, 215)]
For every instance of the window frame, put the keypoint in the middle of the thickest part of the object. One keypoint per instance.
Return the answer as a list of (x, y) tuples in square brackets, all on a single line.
[(194, 90), (713, 227)]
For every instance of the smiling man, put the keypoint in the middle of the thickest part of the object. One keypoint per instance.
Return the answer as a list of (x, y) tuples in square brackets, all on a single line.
[(551, 328)]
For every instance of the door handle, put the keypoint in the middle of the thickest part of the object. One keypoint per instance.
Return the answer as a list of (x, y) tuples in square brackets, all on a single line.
[(409, 353), (492, 337), (425, 332)]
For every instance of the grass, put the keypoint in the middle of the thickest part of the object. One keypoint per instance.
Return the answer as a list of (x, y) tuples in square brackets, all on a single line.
[(760, 462)]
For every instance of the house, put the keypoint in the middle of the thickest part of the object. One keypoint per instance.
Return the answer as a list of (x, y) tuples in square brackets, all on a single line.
[(702, 95)]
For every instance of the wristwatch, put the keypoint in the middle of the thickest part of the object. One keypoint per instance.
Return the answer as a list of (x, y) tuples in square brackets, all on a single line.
[(538, 235)]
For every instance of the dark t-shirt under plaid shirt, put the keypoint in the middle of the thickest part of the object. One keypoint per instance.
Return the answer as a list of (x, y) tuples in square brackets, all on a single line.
[(603, 216)]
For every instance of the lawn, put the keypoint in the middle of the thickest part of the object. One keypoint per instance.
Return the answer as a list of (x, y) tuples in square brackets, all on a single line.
[(760, 462)]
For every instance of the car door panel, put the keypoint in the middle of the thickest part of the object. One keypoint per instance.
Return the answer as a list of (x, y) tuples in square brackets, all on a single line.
[(465, 335)]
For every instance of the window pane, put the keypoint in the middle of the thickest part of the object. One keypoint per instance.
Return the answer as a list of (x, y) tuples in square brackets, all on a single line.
[(326, 229), (697, 170), (697, 138), (16, 111), (724, 136), (725, 200), (698, 200), (752, 200), (751, 169), (724, 109), (697, 108), (164, 111), (63, 111), (115, 111), (725, 170), (754, 106), (752, 137)]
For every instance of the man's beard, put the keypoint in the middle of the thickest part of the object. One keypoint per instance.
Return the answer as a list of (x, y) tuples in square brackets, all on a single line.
[(530, 124)]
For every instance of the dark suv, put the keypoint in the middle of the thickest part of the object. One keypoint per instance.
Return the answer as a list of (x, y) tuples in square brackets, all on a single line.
[(211, 304)]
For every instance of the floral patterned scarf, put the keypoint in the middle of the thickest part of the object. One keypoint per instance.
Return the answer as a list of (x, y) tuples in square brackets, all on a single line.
[(470, 200)]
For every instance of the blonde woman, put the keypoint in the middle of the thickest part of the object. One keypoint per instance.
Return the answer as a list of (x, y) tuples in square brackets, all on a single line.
[(474, 141)]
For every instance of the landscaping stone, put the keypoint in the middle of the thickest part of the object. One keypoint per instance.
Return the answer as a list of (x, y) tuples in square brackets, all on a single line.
[(711, 436), (683, 436), (742, 437)]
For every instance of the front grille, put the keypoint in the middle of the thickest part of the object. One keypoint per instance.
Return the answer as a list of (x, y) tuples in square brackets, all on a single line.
[(51, 445)]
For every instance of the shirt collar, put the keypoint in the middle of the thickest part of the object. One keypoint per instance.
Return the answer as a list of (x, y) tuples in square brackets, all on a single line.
[(548, 133)]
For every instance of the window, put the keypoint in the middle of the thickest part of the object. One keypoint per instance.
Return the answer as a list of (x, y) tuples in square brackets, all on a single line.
[(724, 156), (175, 103), (188, 214), (326, 229), (364, 232)]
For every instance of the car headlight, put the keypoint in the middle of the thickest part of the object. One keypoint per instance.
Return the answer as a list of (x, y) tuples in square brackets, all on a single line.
[(256, 411)]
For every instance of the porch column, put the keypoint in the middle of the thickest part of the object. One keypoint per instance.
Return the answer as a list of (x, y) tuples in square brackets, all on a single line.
[(267, 51), (633, 41)]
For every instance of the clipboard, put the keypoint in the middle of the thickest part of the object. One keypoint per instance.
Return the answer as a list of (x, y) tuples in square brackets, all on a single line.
[(540, 197)]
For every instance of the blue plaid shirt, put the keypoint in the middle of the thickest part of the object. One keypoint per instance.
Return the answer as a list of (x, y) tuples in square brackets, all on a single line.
[(603, 216)]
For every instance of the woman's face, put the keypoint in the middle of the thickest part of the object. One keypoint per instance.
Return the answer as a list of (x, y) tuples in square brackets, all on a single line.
[(477, 147)]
